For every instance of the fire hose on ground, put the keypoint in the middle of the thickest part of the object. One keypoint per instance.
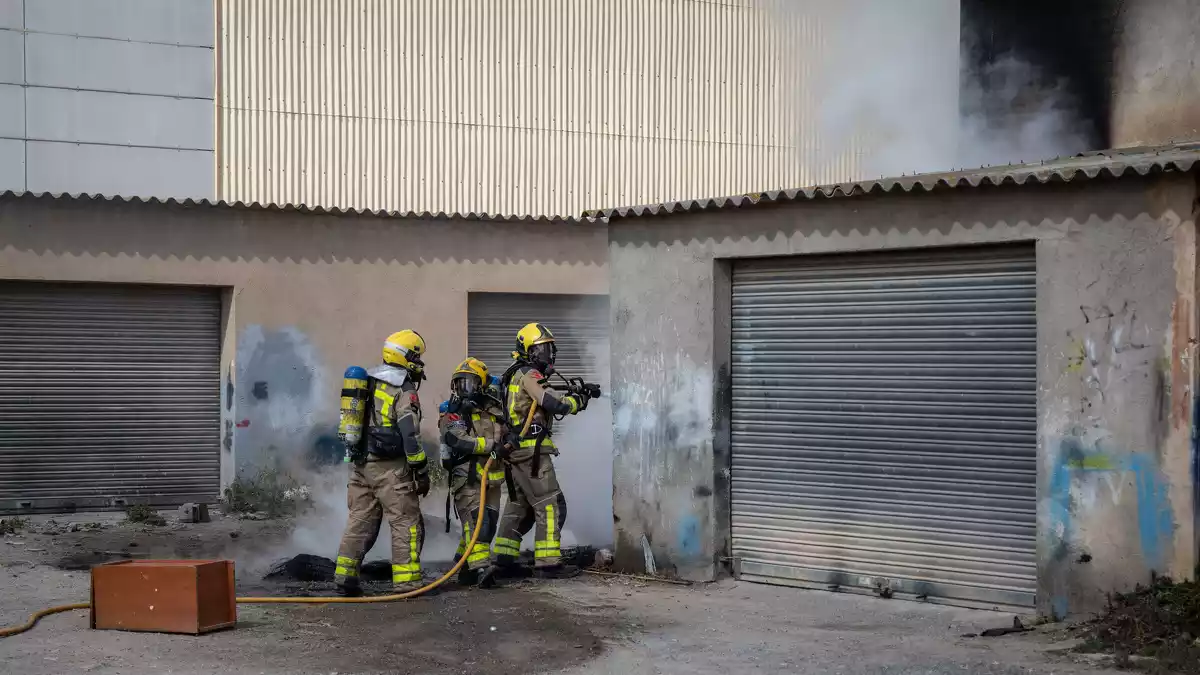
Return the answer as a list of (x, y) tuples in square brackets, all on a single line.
[(255, 600), (392, 597)]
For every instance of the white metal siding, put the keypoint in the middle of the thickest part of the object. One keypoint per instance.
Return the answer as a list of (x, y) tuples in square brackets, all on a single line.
[(109, 394), (884, 422), (544, 107)]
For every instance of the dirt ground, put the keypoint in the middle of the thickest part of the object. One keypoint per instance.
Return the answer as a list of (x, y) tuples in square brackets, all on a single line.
[(586, 625)]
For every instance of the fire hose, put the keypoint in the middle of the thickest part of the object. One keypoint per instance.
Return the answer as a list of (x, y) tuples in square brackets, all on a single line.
[(256, 600)]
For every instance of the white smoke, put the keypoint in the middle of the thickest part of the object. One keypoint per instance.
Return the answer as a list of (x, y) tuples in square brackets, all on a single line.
[(882, 82)]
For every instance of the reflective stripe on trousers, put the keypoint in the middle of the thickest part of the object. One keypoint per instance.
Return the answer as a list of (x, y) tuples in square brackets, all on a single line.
[(410, 572), (346, 567), (479, 552), (503, 546), (548, 547)]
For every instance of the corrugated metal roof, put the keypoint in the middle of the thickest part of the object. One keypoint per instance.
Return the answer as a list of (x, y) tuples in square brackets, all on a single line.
[(255, 206), (1105, 164)]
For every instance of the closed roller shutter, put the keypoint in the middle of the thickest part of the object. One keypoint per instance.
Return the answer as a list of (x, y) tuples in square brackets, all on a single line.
[(109, 395), (579, 324), (884, 422)]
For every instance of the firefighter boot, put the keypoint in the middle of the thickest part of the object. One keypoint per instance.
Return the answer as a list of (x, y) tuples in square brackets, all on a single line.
[(467, 576)]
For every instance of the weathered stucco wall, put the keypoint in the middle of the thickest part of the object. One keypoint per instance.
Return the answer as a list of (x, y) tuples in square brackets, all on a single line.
[(308, 294), (1116, 291), (1156, 85)]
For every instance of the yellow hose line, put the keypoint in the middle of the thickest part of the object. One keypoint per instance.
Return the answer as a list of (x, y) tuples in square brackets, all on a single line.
[(15, 630), (37, 616), (483, 486)]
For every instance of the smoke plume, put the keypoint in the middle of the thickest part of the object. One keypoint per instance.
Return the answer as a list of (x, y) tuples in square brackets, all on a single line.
[(883, 82)]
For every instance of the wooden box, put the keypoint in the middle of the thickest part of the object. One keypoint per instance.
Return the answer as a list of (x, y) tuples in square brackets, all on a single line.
[(164, 596)]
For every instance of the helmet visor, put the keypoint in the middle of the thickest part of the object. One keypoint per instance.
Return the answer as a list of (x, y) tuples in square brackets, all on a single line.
[(465, 385), (544, 353)]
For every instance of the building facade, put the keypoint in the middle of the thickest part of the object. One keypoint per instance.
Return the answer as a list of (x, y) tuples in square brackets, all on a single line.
[(113, 97), (978, 395), (542, 108), (211, 339)]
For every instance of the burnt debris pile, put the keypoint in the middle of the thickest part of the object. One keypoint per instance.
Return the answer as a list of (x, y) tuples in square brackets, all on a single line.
[(1159, 622)]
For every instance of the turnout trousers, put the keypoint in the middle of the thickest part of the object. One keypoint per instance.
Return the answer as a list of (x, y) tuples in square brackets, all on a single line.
[(379, 489), (539, 505)]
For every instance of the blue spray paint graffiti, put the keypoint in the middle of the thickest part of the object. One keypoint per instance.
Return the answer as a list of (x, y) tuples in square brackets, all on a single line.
[(1155, 520), (687, 537), (1156, 523)]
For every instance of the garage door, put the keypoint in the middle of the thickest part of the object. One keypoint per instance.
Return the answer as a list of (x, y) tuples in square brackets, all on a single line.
[(884, 423), (579, 324), (109, 394)]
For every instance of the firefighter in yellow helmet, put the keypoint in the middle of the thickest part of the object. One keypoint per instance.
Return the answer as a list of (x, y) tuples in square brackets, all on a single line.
[(535, 498), (389, 475), (472, 427)]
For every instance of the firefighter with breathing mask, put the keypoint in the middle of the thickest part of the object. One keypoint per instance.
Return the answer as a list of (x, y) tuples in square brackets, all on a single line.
[(472, 427), (388, 474), (535, 498)]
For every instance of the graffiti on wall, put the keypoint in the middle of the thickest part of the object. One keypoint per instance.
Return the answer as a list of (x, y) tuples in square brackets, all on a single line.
[(1106, 491), (285, 409), (667, 413)]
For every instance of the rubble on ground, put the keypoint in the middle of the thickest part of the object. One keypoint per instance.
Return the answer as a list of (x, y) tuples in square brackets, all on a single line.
[(146, 515), (1161, 621), (194, 513)]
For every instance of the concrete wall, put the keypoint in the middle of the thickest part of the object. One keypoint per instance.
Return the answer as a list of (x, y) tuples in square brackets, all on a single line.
[(1156, 85), (308, 295), (1116, 313), (108, 97)]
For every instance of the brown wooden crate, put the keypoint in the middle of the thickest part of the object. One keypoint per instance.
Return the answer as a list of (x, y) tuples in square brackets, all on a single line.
[(166, 596)]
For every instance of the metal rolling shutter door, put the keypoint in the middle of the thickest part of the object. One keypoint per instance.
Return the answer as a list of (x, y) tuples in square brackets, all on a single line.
[(579, 324), (109, 395), (884, 422)]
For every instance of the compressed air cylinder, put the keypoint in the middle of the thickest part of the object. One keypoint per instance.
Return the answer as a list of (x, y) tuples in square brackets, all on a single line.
[(354, 405)]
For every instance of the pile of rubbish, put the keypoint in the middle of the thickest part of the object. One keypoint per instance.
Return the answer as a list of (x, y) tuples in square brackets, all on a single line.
[(314, 568), (1157, 625)]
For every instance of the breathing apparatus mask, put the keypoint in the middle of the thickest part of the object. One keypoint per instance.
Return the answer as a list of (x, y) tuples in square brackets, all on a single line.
[(466, 392), (542, 357)]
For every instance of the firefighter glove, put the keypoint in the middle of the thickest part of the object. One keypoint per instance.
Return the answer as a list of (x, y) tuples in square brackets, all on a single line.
[(422, 483)]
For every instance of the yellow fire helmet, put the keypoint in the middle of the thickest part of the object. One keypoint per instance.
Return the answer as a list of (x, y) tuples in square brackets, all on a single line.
[(533, 334), (472, 366), (535, 344), (404, 350)]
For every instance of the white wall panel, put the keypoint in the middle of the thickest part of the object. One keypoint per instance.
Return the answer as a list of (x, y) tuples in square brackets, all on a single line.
[(186, 22), (121, 119), (517, 106), (115, 170), (115, 65), (12, 57), (12, 14), (12, 111), (12, 165)]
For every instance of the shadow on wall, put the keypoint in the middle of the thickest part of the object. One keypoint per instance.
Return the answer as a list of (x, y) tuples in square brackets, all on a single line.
[(97, 226)]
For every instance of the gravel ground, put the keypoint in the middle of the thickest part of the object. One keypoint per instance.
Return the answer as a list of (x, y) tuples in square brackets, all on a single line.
[(587, 625)]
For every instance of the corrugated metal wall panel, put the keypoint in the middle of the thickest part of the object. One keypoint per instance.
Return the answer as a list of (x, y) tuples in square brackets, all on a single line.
[(108, 392), (884, 422), (544, 107), (579, 324)]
